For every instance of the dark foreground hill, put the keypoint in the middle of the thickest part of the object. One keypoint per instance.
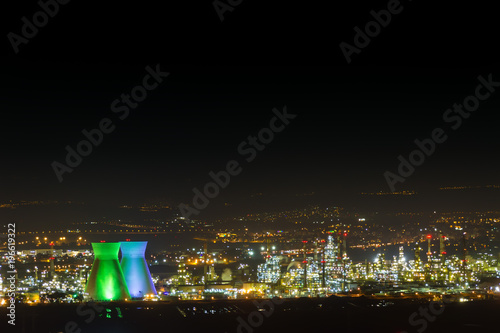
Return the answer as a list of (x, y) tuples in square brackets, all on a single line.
[(245, 316)]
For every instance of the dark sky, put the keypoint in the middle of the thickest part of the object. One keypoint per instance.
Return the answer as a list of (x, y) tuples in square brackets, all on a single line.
[(225, 79)]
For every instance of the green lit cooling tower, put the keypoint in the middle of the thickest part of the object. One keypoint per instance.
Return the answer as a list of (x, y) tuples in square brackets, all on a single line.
[(136, 270), (106, 281)]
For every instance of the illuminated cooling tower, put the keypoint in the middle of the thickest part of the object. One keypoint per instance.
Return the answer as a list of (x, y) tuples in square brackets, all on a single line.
[(106, 281), (136, 270)]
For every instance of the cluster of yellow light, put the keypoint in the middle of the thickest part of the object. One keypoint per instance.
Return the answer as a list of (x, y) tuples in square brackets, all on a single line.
[(390, 193)]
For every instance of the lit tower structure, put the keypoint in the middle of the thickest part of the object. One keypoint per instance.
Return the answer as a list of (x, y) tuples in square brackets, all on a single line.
[(344, 261), (344, 247), (401, 264), (393, 270), (270, 271), (434, 263), (418, 269), (442, 248), (205, 263), (331, 261), (339, 253), (464, 262), (304, 286), (316, 251), (443, 275), (106, 281), (135, 269), (313, 276), (323, 262), (401, 255), (429, 251), (380, 269), (52, 273)]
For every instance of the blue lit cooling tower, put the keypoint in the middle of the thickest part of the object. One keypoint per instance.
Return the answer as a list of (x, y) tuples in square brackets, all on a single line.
[(136, 270)]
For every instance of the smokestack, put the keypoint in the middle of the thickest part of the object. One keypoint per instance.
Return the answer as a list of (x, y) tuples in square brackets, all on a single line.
[(429, 252), (205, 266), (344, 245), (442, 248), (52, 268), (316, 250), (305, 265), (52, 258)]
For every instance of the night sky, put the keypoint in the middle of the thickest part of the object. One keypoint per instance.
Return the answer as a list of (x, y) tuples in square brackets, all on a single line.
[(225, 78)]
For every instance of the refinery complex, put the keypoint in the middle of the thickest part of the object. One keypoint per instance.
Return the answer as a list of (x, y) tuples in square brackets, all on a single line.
[(322, 262), (320, 267), (323, 267)]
